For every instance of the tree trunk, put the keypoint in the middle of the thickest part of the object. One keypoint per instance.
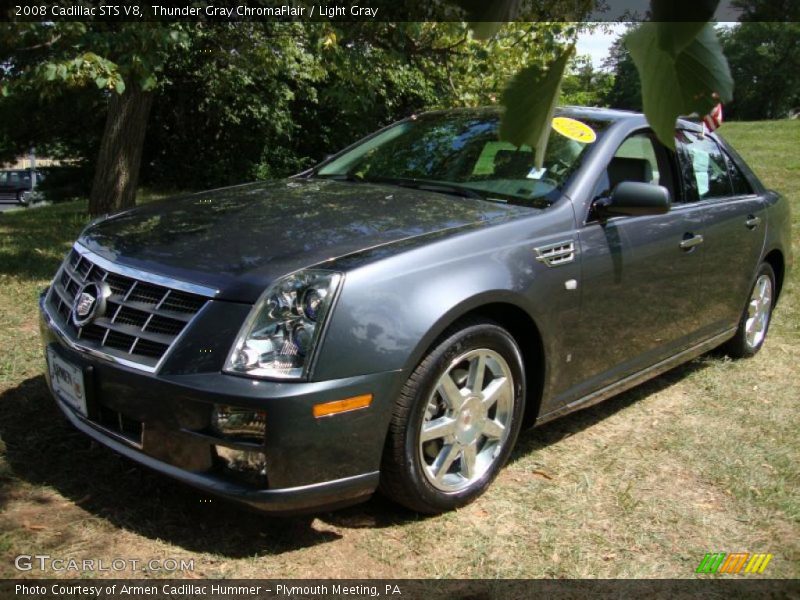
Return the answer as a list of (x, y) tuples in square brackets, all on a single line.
[(116, 174)]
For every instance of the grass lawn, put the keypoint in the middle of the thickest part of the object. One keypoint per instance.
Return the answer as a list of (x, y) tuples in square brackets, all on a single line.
[(704, 458)]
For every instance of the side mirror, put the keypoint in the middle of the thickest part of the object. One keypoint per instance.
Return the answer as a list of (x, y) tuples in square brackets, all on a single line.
[(634, 198)]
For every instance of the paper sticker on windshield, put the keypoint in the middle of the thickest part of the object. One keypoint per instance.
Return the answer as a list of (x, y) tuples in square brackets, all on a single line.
[(574, 130), (535, 173)]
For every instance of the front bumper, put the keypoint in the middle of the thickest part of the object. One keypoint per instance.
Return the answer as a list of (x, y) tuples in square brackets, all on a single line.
[(311, 463)]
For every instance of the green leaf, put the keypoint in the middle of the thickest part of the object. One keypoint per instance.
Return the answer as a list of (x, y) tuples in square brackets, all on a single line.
[(483, 30), (148, 83), (694, 81), (530, 101), (119, 86), (679, 23), (101, 82), (699, 11), (50, 72), (487, 17)]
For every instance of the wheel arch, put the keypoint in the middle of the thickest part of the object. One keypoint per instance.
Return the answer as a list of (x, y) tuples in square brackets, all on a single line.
[(506, 310), (775, 259)]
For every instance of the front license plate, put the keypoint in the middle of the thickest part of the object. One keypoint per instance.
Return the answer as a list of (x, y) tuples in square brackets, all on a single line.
[(67, 381)]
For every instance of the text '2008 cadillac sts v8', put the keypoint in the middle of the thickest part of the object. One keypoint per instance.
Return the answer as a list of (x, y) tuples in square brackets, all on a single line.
[(391, 318)]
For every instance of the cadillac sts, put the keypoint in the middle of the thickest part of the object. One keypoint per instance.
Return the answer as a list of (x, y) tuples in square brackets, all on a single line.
[(391, 318)]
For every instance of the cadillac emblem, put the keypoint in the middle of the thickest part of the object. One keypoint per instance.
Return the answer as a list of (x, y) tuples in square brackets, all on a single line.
[(89, 303)]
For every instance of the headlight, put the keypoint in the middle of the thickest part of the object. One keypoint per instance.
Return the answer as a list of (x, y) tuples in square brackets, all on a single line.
[(281, 333)]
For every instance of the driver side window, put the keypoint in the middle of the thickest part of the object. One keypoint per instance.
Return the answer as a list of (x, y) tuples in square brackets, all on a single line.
[(639, 158), (634, 160)]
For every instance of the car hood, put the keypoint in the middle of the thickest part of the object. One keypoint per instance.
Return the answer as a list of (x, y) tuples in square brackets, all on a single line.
[(240, 239)]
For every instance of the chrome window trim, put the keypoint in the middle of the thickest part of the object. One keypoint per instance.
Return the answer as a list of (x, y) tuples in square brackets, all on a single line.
[(133, 273)]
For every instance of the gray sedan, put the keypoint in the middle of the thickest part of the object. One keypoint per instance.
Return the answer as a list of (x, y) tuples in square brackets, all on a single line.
[(394, 316)]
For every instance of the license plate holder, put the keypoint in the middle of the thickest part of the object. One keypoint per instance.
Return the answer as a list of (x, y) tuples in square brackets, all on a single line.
[(68, 382)]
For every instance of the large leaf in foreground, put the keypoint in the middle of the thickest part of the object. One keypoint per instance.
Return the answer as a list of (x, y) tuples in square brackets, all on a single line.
[(530, 101), (694, 81), (679, 23), (486, 18)]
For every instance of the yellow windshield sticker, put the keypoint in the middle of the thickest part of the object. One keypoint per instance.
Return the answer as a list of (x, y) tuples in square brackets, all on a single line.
[(574, 130)]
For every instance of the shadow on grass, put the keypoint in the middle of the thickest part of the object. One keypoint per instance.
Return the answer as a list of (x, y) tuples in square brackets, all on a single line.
[(555, 431), (44, 450)]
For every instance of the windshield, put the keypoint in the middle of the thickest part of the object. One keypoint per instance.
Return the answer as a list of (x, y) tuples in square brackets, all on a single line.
[(460, 153)]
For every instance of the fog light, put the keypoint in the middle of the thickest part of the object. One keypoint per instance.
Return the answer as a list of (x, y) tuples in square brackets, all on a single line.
[(239, 423), (247, 466)]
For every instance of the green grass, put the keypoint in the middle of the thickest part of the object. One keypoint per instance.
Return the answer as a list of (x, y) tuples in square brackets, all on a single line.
[(704, 458)]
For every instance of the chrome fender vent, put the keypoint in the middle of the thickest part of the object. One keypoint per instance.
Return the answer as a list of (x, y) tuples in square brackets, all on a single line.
[(555, 255)]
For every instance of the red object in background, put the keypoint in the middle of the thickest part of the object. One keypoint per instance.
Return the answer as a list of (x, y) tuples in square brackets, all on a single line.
[(713, 119)]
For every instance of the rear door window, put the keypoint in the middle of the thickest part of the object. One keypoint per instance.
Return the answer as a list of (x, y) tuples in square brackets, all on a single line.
[(708, 166), (741, 187)]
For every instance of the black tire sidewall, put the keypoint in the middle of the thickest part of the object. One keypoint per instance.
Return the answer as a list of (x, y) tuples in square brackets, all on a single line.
[(476, 336)]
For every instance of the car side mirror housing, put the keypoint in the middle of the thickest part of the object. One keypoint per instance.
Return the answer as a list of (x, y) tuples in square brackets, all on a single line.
[(634, 198)]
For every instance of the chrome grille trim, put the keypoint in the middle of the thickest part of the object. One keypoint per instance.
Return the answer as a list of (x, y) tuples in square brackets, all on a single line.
[(146, 314), (116, 269), (555, 255)]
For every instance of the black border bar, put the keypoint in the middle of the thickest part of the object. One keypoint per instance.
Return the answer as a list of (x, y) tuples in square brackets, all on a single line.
[(401, 589), (369, 11)]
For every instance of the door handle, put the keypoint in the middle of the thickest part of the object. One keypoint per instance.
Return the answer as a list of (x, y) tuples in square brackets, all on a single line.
[(752, 221), (691, 242)]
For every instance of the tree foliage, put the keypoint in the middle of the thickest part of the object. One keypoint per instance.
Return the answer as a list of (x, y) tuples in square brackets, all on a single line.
[(626, 89), (235, 101), (584, 85), (238, 101), (765, 64)]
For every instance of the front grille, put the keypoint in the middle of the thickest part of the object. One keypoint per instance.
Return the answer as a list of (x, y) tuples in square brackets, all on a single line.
[(141, 319)]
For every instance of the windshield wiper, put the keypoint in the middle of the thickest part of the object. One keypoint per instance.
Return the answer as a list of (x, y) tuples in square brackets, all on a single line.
[(433, 186), (341, 177), (417, 184)]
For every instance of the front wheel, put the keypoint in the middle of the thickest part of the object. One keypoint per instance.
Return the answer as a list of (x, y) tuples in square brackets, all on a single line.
[(755, 320), (456, 420)]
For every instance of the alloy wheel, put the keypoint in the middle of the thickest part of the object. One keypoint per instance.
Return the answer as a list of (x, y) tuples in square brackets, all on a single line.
[(467, 420), (758, 311)]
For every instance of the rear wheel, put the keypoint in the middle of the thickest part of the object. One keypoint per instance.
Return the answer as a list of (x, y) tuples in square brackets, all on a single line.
[(456, 420), (755, 320)]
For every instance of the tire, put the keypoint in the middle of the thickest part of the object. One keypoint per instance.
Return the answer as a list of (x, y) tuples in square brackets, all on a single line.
[(750, 334), (467, 447)]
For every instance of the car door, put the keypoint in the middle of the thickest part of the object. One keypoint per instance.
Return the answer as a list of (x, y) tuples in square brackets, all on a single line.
[(734, 224), (640, 274)]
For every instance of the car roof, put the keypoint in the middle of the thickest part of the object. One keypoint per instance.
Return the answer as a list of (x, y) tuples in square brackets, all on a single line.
[(579, 112), (604, 114)]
